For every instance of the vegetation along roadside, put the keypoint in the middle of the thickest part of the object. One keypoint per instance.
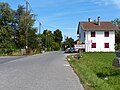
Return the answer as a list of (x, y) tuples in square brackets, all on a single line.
[(96, 72)]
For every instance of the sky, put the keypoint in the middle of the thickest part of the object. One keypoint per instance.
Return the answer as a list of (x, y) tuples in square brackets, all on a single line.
[(66, 14)]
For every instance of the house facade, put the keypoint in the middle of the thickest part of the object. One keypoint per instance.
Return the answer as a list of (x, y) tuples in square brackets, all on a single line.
[(97, 36)]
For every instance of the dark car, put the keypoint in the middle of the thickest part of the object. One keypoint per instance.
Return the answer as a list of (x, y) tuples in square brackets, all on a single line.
[(70, 50)]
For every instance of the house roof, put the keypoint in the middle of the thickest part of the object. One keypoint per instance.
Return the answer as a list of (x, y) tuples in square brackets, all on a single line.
[(95, 26)]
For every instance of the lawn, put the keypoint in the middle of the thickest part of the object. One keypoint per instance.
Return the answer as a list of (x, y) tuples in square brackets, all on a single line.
[(96, 72)]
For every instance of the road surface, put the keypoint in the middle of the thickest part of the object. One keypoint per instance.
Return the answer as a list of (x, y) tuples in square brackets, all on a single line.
[(4, 59), (49, 71)]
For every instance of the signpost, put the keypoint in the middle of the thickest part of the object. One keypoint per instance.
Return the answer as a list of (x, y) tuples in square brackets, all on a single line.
[(79, 48)]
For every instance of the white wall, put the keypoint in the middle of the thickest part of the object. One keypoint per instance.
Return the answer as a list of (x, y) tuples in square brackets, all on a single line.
[(99, 39)]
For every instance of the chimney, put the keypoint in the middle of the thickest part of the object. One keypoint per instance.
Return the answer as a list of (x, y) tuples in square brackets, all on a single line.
[(88, 19), (94, 21), (99, 21)]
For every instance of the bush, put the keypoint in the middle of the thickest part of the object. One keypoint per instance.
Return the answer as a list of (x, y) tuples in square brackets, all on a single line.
[(55, 46), (96, 71), (117, 47)]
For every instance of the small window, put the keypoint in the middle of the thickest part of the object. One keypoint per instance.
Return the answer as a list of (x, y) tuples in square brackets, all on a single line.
[(106, 34), (93, 45), (92, 34), (106, 45)]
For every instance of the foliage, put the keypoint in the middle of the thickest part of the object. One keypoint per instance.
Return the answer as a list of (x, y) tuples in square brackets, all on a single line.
[(6, 32), (96, 71), (117, 36), (69, 42), (20, 15), (13, 27), (55, 46), (116, 21), (48, 40), (117, 47), (58, 36)]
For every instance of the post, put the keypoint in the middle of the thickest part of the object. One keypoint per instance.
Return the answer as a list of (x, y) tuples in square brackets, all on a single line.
[(65, 41), (46, 42), (26, 31), (39, 27)]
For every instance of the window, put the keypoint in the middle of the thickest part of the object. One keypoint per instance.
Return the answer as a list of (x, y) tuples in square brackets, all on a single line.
[(92, 34), (106, 45), (106, 34), (93, 45)]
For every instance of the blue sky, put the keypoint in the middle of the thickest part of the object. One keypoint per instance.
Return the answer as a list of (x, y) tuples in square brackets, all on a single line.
[(65, 14)]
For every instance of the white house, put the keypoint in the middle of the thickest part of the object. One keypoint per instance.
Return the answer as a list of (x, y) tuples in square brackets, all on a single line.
[(97, 36)]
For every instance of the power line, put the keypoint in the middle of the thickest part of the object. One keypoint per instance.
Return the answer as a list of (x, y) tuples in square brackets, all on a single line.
[(40, 24)]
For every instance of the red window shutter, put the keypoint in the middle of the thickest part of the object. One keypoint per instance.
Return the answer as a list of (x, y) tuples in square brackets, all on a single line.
[(93, 45), (92, 34), (106, 45), (106, 34)]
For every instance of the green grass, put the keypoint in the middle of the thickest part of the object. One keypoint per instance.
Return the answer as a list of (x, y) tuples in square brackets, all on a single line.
[(93, 68)]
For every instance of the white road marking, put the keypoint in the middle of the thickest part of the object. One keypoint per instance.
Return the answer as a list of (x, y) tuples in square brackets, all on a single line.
[(66, 65)]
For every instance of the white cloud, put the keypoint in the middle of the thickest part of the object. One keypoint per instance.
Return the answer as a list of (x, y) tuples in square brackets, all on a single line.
[(102, 2), (116, 2), (108, 2)]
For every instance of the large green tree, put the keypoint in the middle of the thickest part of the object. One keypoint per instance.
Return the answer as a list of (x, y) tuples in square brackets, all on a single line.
[(24, 23), (69, 42), (6, 31), (58, 36), (49, 40), (13, 24)]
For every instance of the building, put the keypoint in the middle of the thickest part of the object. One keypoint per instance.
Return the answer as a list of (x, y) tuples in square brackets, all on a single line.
[(98, 36)]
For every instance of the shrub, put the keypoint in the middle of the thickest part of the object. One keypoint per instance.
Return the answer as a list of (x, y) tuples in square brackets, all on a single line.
[(117, 47)]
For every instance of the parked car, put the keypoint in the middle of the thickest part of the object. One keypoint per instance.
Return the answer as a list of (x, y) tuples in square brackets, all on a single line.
[(70, 50)]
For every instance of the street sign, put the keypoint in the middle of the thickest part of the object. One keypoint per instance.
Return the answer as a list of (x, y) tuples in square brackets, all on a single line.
[(79, 46)]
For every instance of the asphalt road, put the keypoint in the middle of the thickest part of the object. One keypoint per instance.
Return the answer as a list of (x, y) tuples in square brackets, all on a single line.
[(49, 71), (4, 59)]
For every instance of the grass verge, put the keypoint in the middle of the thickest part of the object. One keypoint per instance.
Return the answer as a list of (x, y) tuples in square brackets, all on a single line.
[(96, 72)]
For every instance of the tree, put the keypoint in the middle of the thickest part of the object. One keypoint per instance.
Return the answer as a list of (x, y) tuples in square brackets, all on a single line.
[(55, 46), (117, 35), (48, 38), (58, 36), (116, 21), (19, 17), (6, 31), (117, 39), (13, 25), (20, 35), (50, 41), (69, 42)]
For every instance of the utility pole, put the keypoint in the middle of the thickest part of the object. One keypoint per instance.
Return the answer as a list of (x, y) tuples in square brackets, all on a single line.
[(26, 23), (65, 41), (39, 27)]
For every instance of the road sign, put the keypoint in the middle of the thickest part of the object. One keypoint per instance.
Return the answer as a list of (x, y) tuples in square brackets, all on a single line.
[(79, 46)]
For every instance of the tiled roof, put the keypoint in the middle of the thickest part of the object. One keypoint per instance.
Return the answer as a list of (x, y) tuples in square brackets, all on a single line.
[(95, 26)]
